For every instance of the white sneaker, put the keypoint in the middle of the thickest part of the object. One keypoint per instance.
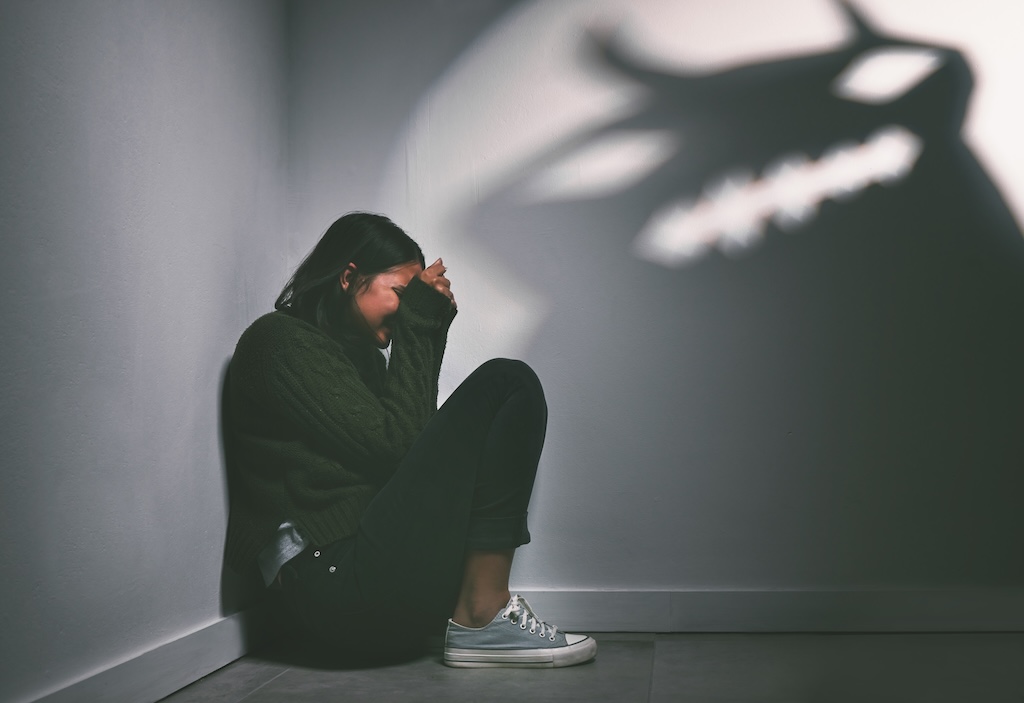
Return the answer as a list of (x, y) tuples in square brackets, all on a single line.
[(515, 638)]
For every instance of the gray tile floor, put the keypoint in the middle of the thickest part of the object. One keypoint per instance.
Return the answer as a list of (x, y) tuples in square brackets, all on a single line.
[(709, 668)]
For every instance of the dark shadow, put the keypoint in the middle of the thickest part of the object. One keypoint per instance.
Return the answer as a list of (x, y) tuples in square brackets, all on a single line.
[(238, 592), (295, 649), (885, 327)]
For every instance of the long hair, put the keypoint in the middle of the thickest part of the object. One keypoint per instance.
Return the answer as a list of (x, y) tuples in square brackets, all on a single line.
[(370, 242)]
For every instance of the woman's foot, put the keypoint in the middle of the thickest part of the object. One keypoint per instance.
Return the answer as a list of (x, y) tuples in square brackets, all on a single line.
[(515, 637)]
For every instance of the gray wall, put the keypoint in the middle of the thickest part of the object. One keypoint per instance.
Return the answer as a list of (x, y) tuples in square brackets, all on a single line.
[(142, 200)]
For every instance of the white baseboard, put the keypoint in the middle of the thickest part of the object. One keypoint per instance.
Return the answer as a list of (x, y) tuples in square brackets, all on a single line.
[(167, 668), (939, 610)]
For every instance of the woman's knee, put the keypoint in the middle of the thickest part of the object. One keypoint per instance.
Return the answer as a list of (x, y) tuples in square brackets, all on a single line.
[(519, 371)]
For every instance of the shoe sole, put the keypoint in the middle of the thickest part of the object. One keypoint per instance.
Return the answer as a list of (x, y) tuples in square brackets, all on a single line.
[(547, 658)]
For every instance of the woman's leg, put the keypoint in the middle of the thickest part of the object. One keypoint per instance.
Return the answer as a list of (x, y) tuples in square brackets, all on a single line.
[(484, 589), (457, 504), (442, 531)]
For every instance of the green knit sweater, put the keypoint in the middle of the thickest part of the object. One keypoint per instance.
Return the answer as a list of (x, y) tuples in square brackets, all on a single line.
[(314, 430)]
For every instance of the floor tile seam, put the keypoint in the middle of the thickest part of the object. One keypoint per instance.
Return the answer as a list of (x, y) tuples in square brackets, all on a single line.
[(650, 669), (265, 683)]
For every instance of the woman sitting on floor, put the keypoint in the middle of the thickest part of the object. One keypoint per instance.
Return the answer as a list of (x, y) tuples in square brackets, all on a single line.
[(377, 514)]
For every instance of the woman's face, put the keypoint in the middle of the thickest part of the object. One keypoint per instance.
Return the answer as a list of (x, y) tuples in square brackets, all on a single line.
[(375, 299)]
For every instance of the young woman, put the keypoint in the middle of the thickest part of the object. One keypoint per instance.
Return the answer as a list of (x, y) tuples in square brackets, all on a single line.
[(376, 514)]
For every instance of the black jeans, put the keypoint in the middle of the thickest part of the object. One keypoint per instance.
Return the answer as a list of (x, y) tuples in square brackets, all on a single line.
[(465, 484)]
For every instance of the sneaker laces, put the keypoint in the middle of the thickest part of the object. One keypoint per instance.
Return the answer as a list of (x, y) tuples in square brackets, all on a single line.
[(519, 611)]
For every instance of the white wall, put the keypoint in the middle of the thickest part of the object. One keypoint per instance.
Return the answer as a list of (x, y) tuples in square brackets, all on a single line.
[(141, 205), (742, 424)]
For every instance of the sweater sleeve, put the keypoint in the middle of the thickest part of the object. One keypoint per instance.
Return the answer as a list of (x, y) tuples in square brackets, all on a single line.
[(303, 374)]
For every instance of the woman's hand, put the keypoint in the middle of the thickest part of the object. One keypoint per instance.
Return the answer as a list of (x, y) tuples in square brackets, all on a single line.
[(434, 277)]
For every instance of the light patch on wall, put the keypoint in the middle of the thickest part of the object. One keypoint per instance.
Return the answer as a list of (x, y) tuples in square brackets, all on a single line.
[(732, 212), (608, 166), (882, 75)]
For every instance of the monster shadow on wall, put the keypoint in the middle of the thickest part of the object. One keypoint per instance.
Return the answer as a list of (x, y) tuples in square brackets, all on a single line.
[(871, 328)]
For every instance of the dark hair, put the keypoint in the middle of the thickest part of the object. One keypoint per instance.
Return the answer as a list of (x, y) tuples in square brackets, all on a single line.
[(371, 242)]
